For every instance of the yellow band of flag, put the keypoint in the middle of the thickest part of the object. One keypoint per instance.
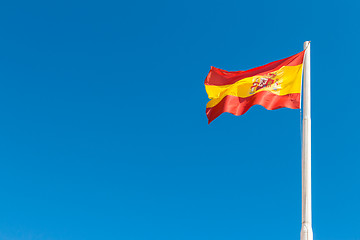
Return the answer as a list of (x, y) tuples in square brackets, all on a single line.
[(284, 81)]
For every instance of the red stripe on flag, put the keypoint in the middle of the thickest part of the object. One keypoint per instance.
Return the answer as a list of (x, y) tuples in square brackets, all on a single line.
[(219, 77), (239, 106)]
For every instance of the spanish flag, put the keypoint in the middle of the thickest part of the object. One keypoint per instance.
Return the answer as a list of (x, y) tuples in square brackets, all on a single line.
[(274, 85)]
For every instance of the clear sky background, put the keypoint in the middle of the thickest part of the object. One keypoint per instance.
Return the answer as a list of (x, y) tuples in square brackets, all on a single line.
[(104, 134)]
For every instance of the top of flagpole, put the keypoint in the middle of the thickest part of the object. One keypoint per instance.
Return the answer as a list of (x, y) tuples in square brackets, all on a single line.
[(306, 44), (306, 83)]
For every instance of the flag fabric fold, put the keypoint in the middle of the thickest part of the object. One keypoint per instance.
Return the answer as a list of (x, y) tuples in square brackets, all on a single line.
[(274, 85)]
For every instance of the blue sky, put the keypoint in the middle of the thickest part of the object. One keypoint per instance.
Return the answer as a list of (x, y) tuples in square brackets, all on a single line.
[(104, 134)]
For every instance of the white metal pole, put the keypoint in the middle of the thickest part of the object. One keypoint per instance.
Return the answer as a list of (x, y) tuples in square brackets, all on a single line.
[(306, 224)]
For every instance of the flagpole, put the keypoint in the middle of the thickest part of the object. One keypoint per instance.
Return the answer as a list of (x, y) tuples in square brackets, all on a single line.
[(306, 223)]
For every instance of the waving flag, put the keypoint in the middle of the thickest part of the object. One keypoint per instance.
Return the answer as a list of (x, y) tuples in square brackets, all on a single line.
[(274, 85)]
